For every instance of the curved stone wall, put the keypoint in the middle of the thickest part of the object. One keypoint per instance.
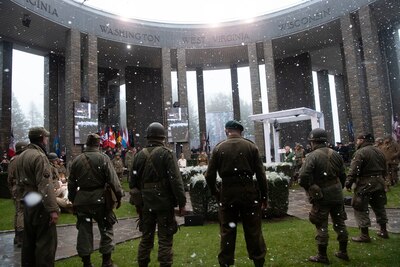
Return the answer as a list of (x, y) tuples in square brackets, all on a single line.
[(296, 19)]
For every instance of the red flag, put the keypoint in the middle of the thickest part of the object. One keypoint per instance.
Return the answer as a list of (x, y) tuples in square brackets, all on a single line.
[(11, 146)]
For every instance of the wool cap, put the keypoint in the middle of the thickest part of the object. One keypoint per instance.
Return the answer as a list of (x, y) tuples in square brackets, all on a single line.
[(37, 132), (234, 125), (93, 140)]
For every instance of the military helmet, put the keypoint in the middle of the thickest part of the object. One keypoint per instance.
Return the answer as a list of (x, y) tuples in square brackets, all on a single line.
[(52, 156), (318, 135), (19, 146), (155, 130), (93, 140)]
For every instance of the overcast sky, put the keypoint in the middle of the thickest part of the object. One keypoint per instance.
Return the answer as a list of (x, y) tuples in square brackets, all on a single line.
[(28, 80)]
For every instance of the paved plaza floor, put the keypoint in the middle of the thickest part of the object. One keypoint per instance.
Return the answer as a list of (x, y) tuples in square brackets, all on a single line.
[(126, 229)]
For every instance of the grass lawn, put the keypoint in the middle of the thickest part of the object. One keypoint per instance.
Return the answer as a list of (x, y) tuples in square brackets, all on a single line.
[(290, 242)]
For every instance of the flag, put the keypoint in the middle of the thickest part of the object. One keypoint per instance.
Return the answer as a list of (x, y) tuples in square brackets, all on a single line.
[(11, 146), (119, 138), (125, 138), (111, 138), (56, 145)]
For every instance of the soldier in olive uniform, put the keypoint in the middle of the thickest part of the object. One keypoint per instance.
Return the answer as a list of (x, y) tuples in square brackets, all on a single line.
[(323, 175), (118, 165), (89, 174), (12, 185), (391, 150), (41, 211), (237, 160), (155, 173), (367, 171)]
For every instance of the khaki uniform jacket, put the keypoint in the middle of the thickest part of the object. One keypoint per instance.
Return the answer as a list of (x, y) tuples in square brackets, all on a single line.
[(12, 179), (324, 167), (129, 155), (391, 152), (158, 178), (90, 171), (118, 165), (33, 171), (367, 169), (236, 157)]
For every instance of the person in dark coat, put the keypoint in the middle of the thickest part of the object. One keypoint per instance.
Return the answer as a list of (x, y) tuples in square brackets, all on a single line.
[(156, 177), (367, 171), (12, 185), (323, 176), (90, 172), (41, 212), (236, 160)]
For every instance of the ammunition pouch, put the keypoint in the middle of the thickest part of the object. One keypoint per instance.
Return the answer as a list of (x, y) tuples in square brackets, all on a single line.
[(315, 193), (135, 197)]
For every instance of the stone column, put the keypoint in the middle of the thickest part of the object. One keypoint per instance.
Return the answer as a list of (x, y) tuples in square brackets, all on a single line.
[(167, 84), (235, 92), (342, 108), (90, 68), (326, 103), (359, 101), (270, 75), (72, 88), (182, 92), (201, 104), (256, 96), (376, 84), (51, 98), (182, 80), (6, 57)]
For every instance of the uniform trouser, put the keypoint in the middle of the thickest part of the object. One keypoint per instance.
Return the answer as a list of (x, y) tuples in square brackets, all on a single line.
[(85, 217), (377, 200), (319, 217), (19, 216), (392, 173), (167, 227), (250, 215), (40, 238)]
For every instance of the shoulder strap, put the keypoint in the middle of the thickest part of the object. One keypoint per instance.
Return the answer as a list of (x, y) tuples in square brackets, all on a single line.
[(149, 162), (88, 164)]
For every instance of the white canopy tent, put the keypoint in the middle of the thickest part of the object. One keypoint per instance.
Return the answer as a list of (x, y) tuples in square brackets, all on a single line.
[(285, 116)]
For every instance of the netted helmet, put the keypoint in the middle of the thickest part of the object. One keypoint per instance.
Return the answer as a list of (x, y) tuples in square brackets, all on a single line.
[(318, 135), (52, 156), (155, 130), (19, 146)]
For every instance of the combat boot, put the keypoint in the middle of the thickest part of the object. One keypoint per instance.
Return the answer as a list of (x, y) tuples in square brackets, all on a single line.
[(86, 261), (259, 262), (364, 237), (19, 237), (321, 257), (342, 253), (107, 261), (383, 231)]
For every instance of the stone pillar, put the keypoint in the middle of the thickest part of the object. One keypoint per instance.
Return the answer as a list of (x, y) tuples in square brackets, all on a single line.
[(359, 101), (90, 69), (270, 75), (182, 80), (201, 105), (391, 45), (167, 84), (235, 92), (326, 103), (6, 57), (182, 92), (72, 88), (114, 111), (342, 108), (51, 96), (256, 96), (376, 83)]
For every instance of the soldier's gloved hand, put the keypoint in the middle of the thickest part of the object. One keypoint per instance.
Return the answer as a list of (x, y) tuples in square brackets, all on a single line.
[(348, 185), (118, 203)]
